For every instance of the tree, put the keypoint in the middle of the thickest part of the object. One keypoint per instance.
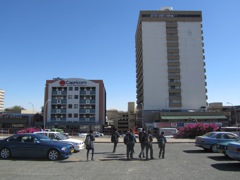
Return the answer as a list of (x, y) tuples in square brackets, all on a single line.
[(16, 109)]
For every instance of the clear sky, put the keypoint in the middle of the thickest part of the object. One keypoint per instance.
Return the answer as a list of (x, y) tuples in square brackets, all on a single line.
[(95, 39)]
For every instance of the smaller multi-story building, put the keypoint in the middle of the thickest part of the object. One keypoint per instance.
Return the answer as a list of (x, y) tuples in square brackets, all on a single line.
[(75, 103), (123, 120), (2, 95)]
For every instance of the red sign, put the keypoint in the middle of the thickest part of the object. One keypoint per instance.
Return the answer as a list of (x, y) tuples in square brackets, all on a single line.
[(62, 83)]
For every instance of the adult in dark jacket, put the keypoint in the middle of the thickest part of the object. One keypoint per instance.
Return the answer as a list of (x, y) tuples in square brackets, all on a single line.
[(149, 145), (142, 134), (89, 144), (161, 144), (129, 141), (114, 139)]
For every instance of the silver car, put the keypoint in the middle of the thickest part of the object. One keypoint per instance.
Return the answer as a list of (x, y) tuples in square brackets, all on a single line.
[(210, 140)]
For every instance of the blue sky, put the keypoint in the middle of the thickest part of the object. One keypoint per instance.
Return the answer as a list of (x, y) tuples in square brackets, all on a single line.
[(95, 39)]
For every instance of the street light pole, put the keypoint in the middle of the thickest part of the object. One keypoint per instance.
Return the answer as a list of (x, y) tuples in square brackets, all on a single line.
[(32, 106), (234, 113), (45, 113)]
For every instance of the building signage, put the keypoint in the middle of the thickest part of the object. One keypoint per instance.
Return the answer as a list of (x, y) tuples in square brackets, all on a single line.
[(173, 125), (73, 83)]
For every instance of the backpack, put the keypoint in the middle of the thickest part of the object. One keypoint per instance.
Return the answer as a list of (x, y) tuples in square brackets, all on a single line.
[(114, 137), (140, 137), (87, 141), (144, 137), (161, 140), (126, 139)]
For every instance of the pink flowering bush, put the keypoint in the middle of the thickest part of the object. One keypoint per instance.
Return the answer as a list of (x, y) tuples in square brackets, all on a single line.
[(28, 130), (193, 130)]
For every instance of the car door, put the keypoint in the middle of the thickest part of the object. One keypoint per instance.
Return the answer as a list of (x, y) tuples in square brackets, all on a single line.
[(15, 145), (30, 147)]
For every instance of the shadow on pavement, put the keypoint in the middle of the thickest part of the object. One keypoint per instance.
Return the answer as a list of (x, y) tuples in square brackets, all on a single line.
[(196, 151), (220, 158), (227, 166)]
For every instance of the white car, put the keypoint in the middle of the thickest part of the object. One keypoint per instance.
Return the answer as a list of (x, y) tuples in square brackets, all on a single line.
[(58, 136), (82, 135), (97, 134)]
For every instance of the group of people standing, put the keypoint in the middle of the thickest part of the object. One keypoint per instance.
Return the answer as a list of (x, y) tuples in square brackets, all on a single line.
[(145, 139)]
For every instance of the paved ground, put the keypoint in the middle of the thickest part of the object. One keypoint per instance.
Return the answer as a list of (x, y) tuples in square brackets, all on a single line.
[(183, 161)]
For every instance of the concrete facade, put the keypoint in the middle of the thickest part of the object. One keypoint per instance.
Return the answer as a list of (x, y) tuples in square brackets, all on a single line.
[(75, 103), (170, 68), (2, 95)]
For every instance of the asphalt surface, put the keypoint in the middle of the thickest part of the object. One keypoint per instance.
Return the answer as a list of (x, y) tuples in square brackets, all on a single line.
[(183, 161)]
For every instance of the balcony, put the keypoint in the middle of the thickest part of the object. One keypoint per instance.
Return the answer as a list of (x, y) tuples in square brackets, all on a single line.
[(59, 101), (87, 111), (59, 93), (87, 119), (87, 92), (87, 101), (58, 111), (58, 119)]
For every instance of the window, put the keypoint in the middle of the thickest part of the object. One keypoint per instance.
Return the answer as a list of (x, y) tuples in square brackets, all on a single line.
[(70, 106), (76, 88), (76, 115), (69, 96), (70, 88), (75, 106), (75, 96), (70, 115)]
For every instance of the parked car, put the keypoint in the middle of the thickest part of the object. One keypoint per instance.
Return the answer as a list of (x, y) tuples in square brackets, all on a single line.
[(82, 135), (34, 145), (58, 136), (233, 150), (58, 130), (223, 146), (97, 134), (210, 140)]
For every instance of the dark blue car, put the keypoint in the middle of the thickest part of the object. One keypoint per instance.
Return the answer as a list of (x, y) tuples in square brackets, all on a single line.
[(34, 145)]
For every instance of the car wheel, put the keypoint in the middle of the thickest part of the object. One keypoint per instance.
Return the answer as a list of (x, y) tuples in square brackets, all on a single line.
[(5, 153), (53, 155), (214, 148)]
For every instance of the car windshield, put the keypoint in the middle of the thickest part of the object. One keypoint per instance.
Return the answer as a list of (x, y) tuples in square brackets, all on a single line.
[(210, 134), (62, 136)]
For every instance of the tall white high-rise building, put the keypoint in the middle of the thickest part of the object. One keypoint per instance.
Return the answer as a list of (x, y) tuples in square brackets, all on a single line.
[(170, 67), (2, 94)]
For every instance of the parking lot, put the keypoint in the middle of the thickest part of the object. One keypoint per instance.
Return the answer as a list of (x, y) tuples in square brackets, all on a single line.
[(182, 161)]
